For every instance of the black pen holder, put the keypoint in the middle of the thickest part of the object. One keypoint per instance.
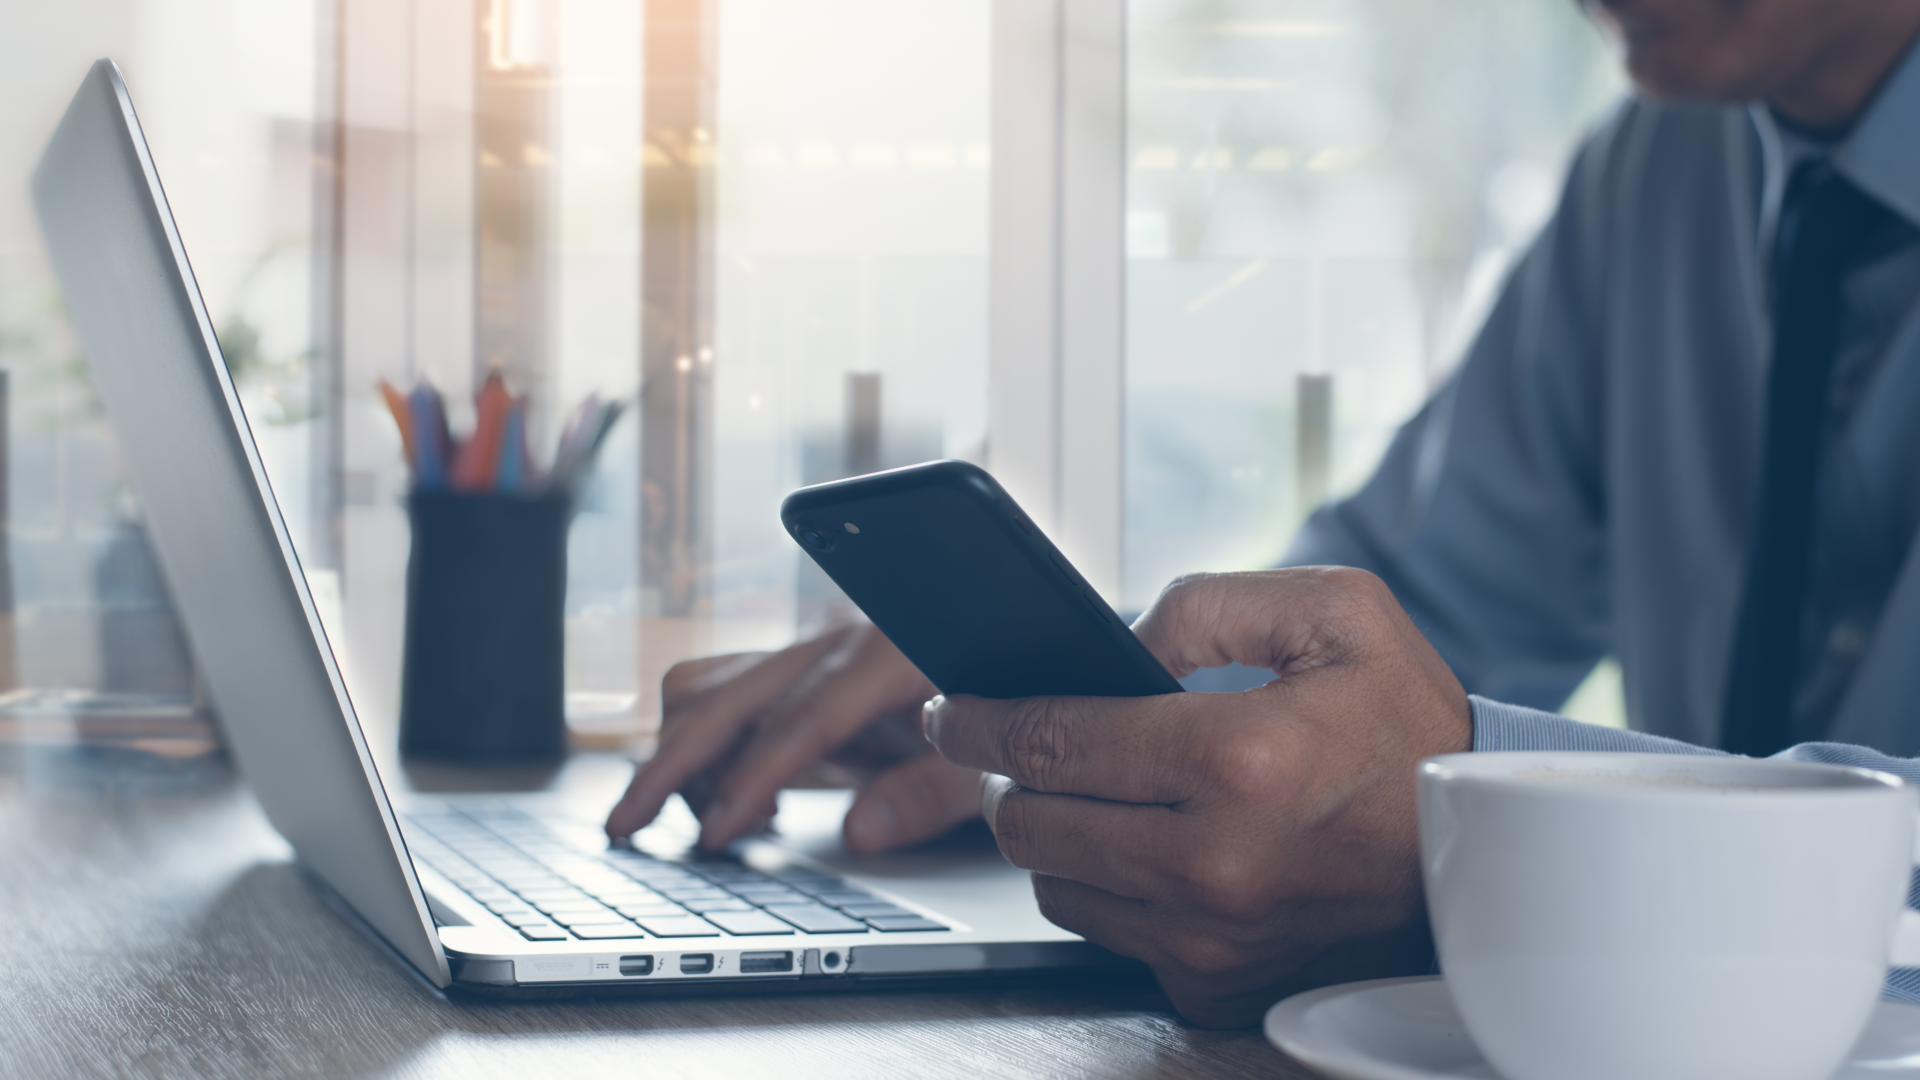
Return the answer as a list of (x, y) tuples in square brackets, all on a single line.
[(484, 675)]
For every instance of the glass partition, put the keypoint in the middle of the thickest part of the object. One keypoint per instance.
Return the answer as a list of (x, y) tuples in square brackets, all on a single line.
[(1323, 197), (227, 95), (851, 237)]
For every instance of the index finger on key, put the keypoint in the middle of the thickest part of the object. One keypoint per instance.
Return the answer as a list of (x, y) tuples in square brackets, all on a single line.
[(719, 701), (1122, 749)]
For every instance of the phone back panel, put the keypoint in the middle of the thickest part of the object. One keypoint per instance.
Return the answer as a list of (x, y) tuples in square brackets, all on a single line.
[(950, 569)]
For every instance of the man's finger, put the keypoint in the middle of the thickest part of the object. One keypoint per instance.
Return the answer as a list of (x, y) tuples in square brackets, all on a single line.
[(701, 673), (1284, 620), (837, 699), (1205, 976), (1117, 923), (720, 701), (1125, 749), (916, 800), (1127, 849)]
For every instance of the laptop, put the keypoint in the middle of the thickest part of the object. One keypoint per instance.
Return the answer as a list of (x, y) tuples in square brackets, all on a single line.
[(488, 894)]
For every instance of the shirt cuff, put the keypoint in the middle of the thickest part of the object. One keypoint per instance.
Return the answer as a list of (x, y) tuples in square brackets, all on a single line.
[(1499, 726)]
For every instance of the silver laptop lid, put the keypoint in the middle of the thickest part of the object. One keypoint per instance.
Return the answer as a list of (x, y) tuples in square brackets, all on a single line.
[(223, 546)]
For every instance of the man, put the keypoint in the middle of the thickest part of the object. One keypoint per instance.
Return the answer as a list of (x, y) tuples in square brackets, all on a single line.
[(1683, 437)]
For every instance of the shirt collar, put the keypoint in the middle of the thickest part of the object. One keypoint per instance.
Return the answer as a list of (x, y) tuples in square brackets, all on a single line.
[(1881, 155)]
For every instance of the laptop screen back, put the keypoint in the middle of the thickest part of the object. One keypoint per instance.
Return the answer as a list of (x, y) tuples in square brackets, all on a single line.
[(226, 553)]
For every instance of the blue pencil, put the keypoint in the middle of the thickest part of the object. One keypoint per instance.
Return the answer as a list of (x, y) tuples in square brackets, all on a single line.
[(507, 478), (430, 437)]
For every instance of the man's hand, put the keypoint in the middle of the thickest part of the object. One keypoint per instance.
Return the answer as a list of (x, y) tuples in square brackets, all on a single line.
[(735, 729), (1246, 846)]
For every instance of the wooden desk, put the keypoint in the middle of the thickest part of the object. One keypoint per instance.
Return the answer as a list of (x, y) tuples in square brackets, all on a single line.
[(156, 927)]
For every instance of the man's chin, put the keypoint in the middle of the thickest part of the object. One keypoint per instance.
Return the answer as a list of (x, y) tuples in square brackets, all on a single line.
[(1673, 61), (1659, 74)]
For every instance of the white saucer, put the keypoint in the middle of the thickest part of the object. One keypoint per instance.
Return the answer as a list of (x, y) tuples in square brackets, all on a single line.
[(1406, 1029)]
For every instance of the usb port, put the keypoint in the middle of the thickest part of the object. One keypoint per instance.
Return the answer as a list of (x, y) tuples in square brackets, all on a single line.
[(696, 963), (636, 965), (753, 963)]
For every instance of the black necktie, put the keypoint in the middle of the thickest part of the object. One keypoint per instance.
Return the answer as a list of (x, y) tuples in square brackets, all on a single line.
[(1827, 226)]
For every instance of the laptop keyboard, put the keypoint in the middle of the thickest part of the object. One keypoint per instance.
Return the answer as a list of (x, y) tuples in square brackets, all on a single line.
[(550, 890)]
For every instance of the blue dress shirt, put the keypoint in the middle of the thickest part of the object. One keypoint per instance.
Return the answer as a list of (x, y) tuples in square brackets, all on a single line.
[(1585, 482)]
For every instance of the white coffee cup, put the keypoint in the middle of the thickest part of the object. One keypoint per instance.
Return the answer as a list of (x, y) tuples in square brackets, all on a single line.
[(1647, 916)]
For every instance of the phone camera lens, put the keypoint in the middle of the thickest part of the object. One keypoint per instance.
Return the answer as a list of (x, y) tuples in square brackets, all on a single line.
[(813, 538)]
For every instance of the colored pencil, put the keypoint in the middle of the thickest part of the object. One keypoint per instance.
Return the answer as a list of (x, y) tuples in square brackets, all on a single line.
[(432, 441), (479, 460), (510, 469), (402, 419)]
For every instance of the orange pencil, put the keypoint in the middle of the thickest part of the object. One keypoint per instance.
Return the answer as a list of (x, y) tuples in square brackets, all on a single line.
[(479, 460), (402, 418)]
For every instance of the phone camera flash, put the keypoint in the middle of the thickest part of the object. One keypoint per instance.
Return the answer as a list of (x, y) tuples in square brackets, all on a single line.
[(852, 528)]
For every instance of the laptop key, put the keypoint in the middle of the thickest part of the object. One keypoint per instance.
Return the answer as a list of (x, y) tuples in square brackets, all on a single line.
[(572, 919), (738, 875), (815, 919), (843, 899), (896, 924), (543, 932), (597, 887), (554, 907), (568, 918), (794, 875), (659, 871), (655, 911), (597, 878), (771, 894), (618, 902), (661, 885), (676, 926), (566, 862), (615, 899), (879, 909), (529, 919), (597, 931), (816, 886), (624, 892), (702, 907), (663, 871), (512, 867), (554, 894), (746, 923)]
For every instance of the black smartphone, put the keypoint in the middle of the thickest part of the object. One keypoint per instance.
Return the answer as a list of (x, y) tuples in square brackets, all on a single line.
[(947, 566)]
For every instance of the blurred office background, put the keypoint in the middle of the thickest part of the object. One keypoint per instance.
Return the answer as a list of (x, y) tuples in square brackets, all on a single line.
[(767, 223)]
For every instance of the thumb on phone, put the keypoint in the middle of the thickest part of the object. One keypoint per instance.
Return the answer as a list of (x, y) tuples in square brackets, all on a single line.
[(1288, 621)]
